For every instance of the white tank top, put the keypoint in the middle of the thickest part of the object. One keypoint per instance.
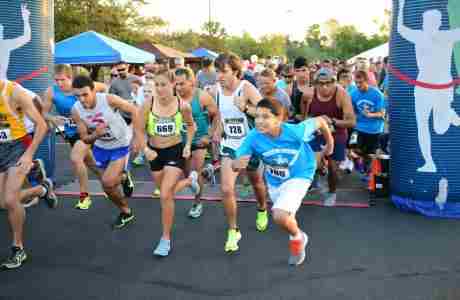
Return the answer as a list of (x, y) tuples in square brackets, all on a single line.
[(117, 134), (234, 121)]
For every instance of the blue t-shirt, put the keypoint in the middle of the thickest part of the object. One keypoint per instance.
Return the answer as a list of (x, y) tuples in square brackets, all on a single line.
[(285, 157), (351, 88), (374, 101)]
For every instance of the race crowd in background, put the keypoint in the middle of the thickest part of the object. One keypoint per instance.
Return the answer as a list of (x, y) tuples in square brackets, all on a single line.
[(289, 127)]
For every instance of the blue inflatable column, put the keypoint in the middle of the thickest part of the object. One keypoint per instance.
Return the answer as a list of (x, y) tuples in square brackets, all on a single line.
[(26, 53), (425, 106)]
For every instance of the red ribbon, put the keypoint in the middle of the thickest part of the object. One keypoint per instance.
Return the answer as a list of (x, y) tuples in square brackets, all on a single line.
[(432, 86)]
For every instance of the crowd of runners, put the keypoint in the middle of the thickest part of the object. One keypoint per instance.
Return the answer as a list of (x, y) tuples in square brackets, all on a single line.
[(283, 126)]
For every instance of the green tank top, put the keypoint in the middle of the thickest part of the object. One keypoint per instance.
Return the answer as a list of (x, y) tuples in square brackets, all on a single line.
[(165, 126), (200, 117)]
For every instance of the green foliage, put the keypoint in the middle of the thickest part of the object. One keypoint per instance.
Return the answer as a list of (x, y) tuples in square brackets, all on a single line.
[(120, 19)]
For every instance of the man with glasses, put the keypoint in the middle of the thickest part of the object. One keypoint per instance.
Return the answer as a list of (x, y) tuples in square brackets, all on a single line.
[(331, 102), (301, 88), (122, 86)]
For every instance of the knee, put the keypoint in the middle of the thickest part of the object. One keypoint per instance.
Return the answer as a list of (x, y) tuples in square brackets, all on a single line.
[(166, 193), (228, 190), (278, 216), (109, 182), (76, 159), (10, 201)]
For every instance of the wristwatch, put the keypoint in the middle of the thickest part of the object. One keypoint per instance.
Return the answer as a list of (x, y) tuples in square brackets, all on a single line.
[(334, 123)]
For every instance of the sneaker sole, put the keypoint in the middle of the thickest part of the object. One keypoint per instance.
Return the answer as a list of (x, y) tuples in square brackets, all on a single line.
[(6, 268)]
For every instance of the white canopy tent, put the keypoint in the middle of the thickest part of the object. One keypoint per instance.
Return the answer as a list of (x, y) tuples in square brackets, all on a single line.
[(378, 52)]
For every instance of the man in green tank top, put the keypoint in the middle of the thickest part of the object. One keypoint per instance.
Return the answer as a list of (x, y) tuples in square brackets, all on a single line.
[(204, 109)]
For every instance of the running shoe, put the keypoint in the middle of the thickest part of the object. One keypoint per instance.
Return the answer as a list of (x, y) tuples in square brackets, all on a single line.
[(32, 201), (196, 210), (208, 172), (297, 250), (262, 220), (156, 193), (128, 184), (17, 258), (163, 248), (50, 197), (139, 160), (123, 219), (84, 204), (233, 237), (330, 199), (194, 186)]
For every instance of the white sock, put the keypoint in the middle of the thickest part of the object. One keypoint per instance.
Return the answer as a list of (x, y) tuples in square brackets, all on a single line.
[(298, 236), (44, 191)]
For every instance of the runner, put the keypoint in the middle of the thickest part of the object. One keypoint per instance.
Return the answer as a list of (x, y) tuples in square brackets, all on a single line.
[(331, 102), (203, 109), (289, 166), (300, 89), (99, 122), (17, 149), (236, 101), (163, 117), (60, 95)]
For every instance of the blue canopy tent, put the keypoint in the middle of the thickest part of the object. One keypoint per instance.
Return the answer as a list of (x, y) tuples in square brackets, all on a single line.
[(203, 52), (94, 48)]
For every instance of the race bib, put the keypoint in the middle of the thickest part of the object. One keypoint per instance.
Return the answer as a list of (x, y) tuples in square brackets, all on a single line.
[(69, 123), (5, 135), (278, 171), (108, 135), (234, 128), (165, 129)]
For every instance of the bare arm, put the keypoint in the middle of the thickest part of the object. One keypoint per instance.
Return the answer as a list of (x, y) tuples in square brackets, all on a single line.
[(253, 97), (26, 104), (127, 107), (186, 111), (349, 118), (100, 87), (323, 127), (83, 129)]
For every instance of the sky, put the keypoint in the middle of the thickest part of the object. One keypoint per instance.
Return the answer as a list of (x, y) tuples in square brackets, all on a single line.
[(259, 17)]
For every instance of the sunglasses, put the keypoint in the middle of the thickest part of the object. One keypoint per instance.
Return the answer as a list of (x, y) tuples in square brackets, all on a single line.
[(121, 70), (113, 75), (324, 83), (288, 76)]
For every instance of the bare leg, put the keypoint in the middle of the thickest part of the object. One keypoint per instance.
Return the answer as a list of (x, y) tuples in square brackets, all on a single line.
[(111, 180), (286, 221), (167, 180), (78, 154), (228, 191), (260, 190)]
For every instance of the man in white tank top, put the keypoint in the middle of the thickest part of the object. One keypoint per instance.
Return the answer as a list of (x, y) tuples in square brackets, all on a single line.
[(100, 124), (236, 100)]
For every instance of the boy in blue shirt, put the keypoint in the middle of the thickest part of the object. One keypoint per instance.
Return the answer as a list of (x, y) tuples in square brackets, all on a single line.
[(289, 165)]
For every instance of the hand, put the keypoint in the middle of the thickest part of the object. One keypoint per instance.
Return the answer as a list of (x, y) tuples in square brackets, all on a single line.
[(101, 129), (186, 152), (136, 145), (328, 149), (241, 103), (150, 154), (327, 119), (58, 120), (216, 137), (204, 142), (25, 12), (366, 112), (240, 163), (25, 163)]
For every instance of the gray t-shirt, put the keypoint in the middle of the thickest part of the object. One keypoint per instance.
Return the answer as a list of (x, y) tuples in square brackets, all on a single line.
[(122, 87), (283, 98), (206, 79)]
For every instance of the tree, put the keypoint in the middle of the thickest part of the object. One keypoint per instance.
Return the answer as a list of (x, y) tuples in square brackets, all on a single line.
[(273, 44), (118, 19), (314, 38)]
